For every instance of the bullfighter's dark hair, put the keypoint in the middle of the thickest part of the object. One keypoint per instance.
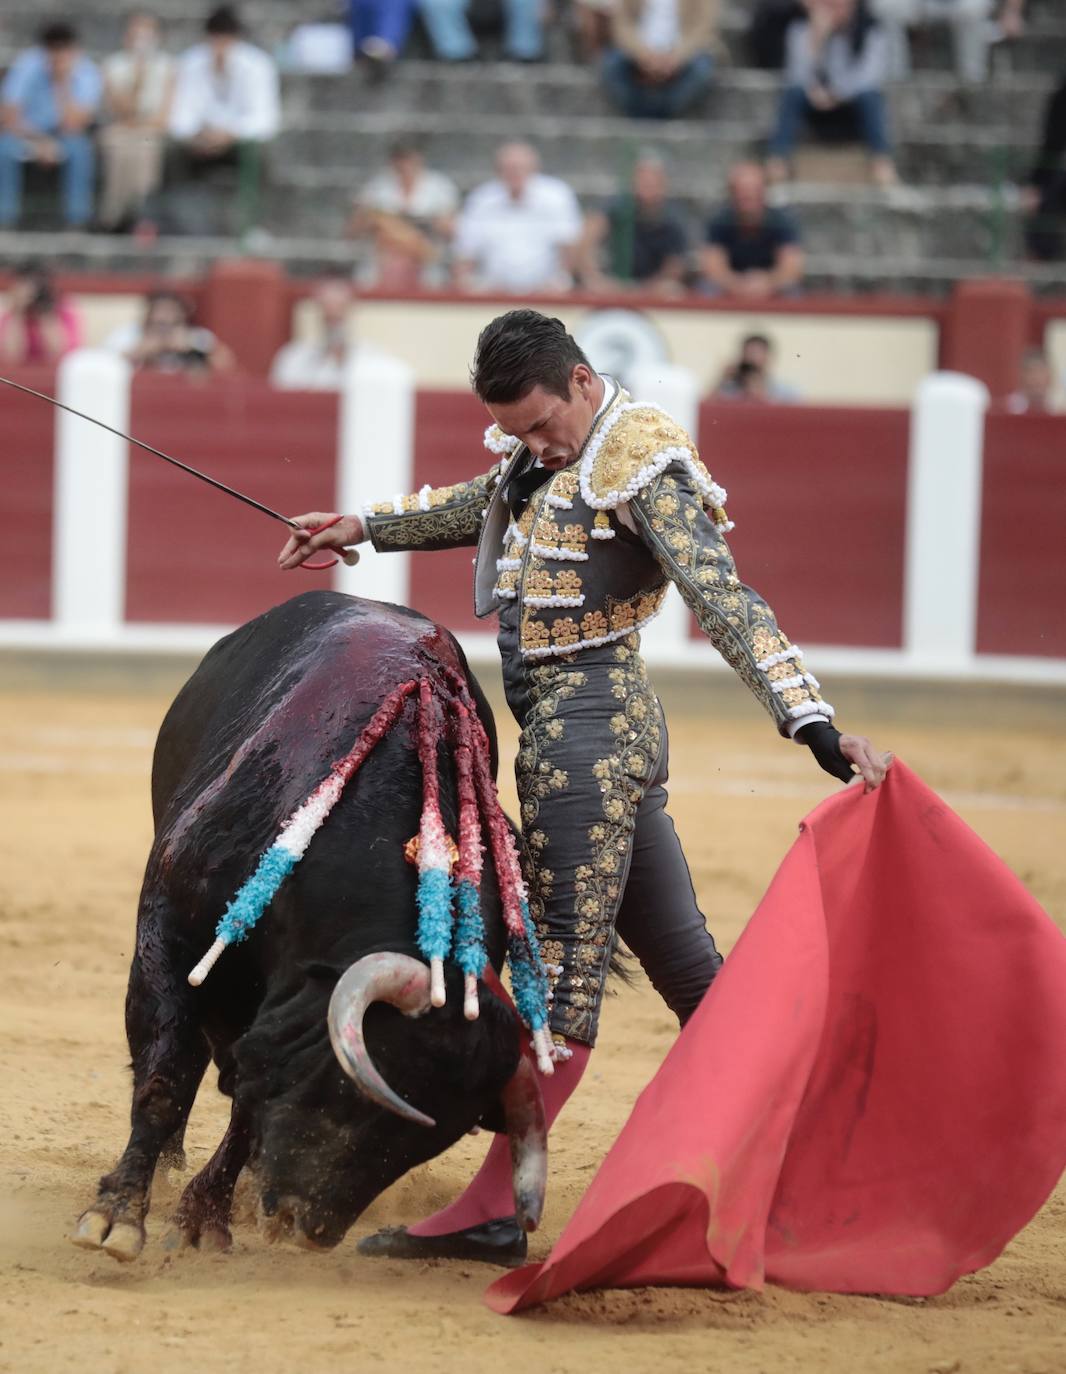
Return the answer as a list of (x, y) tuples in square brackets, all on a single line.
[(58, 34), (521, 350)]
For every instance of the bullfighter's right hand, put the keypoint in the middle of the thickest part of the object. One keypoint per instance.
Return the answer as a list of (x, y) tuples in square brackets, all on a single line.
[(301, 544)]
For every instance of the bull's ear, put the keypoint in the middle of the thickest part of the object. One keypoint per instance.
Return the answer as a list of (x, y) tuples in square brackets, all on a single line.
[(319, 972)]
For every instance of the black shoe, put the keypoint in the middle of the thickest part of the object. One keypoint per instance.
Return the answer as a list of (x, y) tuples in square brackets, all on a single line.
[(500, 1242)]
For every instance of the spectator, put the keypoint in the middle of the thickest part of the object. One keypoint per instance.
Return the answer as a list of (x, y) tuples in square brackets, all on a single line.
[(751, 377), (453, 39), (593, 23), (409, 213), (38, 326), (48, 102), (642, 233), (971, 22), (834, 70), (139, 86), (379, 30), (660, 63), (1036, 386), (167, 340), (226, 107), (317, 363), (520, 231), (770, 23), (752, 249), (1045, 195)]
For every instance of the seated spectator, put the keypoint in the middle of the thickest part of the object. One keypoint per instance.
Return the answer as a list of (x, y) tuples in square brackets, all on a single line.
[(453, 39), (660, 61), (1044, 197), (770, 23), (48, 102), (972, 28), (317, 363), (834, 71), (167, 340), (638, 238), (752, 249), (38, 325), (379, 30), (520, 231), (226, 106), (1036, 386), (138, 87), (751, 377), (593, 24), (409, 213)]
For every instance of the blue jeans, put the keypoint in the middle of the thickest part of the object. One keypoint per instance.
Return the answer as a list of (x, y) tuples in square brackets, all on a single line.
[(76, 173), (664, 100), (866, 115), (387, 19), (452, 39)]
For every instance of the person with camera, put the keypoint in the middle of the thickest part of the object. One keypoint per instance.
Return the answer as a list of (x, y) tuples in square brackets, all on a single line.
[(167, 340), (38, 326)]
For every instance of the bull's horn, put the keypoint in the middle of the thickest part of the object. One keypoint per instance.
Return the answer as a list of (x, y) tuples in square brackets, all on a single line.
[(394, 978), (523, 1111)]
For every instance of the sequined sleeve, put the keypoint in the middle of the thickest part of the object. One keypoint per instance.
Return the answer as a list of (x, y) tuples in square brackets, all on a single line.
[(433, 518), (691, 549)]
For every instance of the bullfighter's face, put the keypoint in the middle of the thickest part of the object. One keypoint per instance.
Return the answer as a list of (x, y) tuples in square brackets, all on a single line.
[(553, 428)]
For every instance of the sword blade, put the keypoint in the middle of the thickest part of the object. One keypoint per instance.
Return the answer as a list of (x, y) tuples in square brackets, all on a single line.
[(158, 452)]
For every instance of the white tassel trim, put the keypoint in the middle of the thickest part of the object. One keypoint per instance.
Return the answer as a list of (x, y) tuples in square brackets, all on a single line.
[(515, 536), (499, 443), (601, 534), (593, 643), (555, 600), (564, 555), (508, 564), (423, 498), (505, 593), (811, 708), (710, 490), (793, 651), (801, 679), (559, 502)]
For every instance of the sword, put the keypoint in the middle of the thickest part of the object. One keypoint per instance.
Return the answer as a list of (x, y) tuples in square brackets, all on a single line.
[(349, 556)]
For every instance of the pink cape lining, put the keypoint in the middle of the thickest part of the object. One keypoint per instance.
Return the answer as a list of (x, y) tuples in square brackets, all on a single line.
[(871, 1099)]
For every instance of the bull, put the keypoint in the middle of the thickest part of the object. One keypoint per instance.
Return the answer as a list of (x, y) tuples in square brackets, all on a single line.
[(342, 1075)]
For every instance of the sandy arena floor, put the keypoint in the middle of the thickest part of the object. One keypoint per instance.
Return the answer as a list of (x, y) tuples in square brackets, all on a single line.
[(74, 831)]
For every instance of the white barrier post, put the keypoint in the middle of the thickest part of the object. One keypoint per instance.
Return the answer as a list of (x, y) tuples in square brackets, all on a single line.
[(677, 391), (375, 462), (89, 526), (944, 522)]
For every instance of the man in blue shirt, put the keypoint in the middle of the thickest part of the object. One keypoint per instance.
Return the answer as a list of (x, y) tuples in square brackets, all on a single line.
[(48, 102)]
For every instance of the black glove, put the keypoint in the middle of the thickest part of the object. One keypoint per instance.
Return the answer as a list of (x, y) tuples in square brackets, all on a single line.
[(823, 740)]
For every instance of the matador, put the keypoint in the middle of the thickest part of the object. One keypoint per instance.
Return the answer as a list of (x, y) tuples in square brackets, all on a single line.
[(593, 504)]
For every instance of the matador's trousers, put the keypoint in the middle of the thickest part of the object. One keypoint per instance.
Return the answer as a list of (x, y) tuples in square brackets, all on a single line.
[(601, 852)]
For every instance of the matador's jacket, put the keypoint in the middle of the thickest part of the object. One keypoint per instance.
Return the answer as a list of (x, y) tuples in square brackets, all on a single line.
[(573, 578)]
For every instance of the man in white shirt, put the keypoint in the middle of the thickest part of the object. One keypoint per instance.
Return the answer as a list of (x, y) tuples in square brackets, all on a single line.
[(519, 232), (317, 360), (226, 94)]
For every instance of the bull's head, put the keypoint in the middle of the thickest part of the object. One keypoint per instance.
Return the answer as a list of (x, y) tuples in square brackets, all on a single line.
[(323, 1153)]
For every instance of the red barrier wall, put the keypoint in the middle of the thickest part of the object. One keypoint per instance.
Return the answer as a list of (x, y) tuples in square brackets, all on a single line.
[(193, 554), (1022, 584), (449, 429), (27, 467), (818, 496)]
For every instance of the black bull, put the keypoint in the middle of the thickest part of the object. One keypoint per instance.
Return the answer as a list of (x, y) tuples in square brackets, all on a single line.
[(246, 741)]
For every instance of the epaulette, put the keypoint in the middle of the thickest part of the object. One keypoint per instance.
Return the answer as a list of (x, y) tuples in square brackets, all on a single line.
[(636, 442)]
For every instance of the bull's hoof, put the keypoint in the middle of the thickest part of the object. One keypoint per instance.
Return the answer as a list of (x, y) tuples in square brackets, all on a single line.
[(97, 1230), (500, 1242), (208, 1239)]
